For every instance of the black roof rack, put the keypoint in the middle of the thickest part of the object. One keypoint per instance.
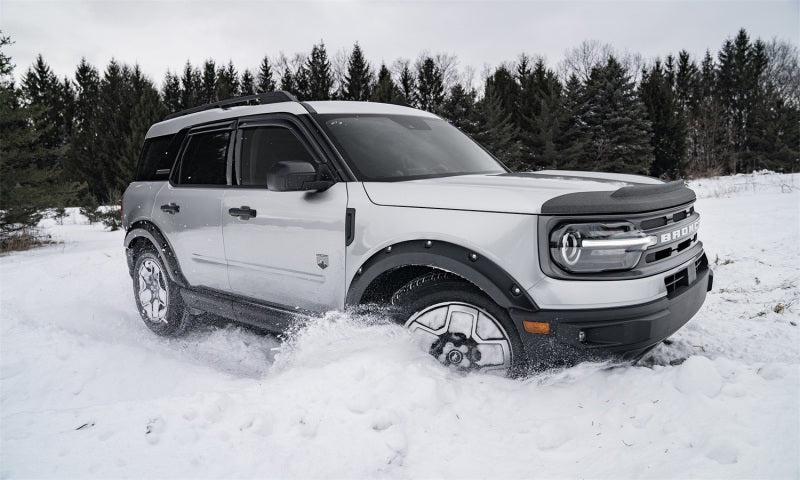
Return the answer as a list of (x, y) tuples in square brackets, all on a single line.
[(260, 99)]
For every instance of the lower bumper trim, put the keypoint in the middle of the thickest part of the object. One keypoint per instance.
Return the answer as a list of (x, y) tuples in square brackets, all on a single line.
[(623, 332)]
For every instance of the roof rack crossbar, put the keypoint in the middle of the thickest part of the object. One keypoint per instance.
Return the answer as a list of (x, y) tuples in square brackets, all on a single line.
[(260, 99)]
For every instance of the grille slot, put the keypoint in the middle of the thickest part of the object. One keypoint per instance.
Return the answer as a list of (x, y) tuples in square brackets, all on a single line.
[(676, 280)]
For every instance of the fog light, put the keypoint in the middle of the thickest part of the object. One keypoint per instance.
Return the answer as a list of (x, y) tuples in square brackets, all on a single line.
[(582, 336)]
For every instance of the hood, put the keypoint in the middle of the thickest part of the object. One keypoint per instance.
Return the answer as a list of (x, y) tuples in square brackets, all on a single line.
[(508, 193)]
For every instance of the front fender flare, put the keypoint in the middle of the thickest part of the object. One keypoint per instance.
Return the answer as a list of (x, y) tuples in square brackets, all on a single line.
[(468, 264)]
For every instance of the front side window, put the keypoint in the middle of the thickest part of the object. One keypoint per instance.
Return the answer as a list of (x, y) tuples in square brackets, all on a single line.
[(205, 160), (405, 147), (262, 147)]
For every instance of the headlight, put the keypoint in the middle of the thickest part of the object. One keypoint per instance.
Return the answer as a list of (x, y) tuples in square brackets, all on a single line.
[(598, 247)]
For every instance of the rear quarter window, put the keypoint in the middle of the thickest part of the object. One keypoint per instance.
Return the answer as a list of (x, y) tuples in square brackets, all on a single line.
[(156, 159)]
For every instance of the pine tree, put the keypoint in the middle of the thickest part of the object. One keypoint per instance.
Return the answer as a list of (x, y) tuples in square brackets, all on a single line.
[(539, 112), (208, 85), (26, 189), (82, 150), (247, 86), (385, 90), (496, 132), (573, 138), (41, 92), (459, 109), (429, 94), (407, 86), (191, 87), (667, 120), (358, 79), (227, 85), (171, 92), (320, 77), (264, 81), (616, 122)]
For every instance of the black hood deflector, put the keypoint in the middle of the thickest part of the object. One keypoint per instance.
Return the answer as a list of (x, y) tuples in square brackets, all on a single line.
[(633, 199)]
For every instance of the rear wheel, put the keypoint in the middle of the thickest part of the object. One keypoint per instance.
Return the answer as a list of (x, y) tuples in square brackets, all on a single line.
[(158, 299), (458, 324)]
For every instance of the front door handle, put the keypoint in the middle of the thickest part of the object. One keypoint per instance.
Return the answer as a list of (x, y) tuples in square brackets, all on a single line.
[(244, 212), (171, 208)]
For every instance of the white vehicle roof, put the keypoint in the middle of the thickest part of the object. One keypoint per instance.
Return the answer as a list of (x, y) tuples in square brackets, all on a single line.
[(173, 125)]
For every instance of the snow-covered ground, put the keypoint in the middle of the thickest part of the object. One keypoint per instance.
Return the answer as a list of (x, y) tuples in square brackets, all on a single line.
[(87, 391)]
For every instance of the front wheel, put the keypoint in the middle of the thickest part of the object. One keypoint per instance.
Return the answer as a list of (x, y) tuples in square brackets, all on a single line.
[(458, 324)]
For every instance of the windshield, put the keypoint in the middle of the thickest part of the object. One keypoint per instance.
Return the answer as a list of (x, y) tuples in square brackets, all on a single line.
[(405, 147)]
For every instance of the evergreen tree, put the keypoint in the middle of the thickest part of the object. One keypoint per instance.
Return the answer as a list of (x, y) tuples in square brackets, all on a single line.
[(616, 122), (429, 94), (358, 79), (496, 132), (171, 92), (208, 84), (408, 86), (385, 90), (539, 113), (227, 85), (41, 92), (82, 150), (191, 87), (26, 188), (667, 121), (573, 139), (287, 82), (264, 81), (320, 77), (247, 86), (459, 109)]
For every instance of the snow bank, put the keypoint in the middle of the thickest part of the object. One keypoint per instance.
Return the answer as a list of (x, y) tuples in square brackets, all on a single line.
[(87, 391)]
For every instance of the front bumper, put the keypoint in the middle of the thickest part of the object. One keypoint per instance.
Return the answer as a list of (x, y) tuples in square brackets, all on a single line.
[(620, 332)]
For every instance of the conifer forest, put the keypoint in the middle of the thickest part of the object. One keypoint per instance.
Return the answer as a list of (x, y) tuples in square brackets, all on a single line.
[(75, 140)]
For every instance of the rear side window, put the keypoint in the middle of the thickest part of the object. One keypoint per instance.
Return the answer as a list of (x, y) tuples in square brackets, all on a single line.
[(156, 159), (262, 147), (205, 159)]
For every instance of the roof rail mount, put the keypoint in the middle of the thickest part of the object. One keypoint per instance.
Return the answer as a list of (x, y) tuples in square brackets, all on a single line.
[(260, 99)]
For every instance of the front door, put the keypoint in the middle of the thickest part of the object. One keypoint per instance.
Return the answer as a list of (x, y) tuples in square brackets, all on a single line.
[(283, 248)]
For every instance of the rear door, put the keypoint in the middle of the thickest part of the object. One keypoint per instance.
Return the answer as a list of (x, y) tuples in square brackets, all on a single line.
[(290, 251), (188, 209)]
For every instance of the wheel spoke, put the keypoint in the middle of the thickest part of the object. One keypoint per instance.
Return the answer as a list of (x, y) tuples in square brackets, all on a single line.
[(469, 338)]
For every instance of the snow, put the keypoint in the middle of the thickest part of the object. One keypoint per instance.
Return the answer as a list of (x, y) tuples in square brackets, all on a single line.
[(86, 391)]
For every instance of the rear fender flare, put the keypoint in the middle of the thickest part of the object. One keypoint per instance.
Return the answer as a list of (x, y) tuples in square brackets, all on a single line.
[(149, 231)]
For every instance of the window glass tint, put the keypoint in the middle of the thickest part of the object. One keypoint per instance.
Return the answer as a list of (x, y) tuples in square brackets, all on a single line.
[(397, 147), (155, 159), (262, 147), (205, 159)]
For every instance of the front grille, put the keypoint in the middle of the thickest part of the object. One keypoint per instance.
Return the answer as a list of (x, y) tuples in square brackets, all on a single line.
[(676, 280), (666, 223)]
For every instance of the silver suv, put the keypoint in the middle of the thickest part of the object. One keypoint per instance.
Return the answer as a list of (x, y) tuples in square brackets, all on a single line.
[(264, 210)]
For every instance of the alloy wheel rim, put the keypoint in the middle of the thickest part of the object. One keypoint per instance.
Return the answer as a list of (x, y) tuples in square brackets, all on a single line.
[(152, 293), (463, 337)]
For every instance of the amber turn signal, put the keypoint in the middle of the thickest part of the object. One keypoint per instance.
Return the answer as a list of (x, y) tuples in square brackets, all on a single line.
[(542, 328)]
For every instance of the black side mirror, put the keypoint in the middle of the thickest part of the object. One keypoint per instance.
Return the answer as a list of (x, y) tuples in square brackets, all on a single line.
[(295, 176)]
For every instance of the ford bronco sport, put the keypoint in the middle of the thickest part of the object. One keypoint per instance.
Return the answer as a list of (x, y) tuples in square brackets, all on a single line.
[(263, 209)]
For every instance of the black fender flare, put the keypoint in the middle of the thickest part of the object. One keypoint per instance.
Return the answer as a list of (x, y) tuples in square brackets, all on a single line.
[(149, 231), (468, 264)]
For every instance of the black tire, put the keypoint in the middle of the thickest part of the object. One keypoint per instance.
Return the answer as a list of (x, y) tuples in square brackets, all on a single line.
[(167, 318), (435, 289)]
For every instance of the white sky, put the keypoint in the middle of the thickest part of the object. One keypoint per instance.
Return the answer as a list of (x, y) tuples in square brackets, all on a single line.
[(164, 34)]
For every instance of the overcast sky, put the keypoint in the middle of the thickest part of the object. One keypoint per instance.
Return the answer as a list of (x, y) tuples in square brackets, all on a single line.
[(164, 34)]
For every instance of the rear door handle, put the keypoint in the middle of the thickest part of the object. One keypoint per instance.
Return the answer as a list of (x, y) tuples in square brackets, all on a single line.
[(244, 212), (171, 208)]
